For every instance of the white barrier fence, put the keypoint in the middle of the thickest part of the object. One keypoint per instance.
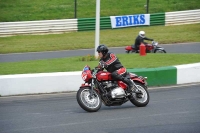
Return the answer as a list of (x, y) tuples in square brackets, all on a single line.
[(70, 25), (182, 17), (70, 81), (188, 73), (38, 27), (40, 83)]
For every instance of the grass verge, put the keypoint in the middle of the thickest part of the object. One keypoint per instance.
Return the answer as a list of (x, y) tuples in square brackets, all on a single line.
[(76, 64), (85, 39), (28, 10)]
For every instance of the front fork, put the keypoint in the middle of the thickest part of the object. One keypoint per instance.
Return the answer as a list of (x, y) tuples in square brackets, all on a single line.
[(136, 88), (92, 88)]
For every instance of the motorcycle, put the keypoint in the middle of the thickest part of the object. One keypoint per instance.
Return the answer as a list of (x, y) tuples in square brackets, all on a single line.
[(150, 48), (100, 87)]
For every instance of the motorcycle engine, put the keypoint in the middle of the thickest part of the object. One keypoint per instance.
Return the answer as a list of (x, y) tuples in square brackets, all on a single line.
[(114, 90), (108, 85), (118, 92)]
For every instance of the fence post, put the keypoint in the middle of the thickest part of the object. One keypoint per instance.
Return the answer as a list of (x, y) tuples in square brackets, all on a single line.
[(147, 6), (75, 6)]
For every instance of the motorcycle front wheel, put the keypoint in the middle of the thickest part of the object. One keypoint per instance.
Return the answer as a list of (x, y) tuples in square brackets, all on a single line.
[(140, 100), (160, 51), (87, 101)]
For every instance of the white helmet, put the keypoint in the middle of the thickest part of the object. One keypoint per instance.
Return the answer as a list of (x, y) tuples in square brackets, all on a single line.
[(142, 34)]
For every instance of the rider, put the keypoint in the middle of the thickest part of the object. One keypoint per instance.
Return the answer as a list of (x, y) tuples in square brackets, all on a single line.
[(113, 65), (140, 39)]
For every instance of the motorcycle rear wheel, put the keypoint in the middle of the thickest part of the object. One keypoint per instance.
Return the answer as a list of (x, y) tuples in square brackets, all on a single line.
[(88, 102), (143, 99), (127, 51)]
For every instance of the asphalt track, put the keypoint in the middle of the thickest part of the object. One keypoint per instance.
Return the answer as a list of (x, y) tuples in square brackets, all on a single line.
[(170, 110), (170, 48)]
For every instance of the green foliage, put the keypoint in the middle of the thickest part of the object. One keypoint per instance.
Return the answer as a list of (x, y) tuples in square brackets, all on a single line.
[(88, 58), (28, 10)]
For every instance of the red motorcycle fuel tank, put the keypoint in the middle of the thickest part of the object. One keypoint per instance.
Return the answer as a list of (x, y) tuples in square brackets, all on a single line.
[(102, 76)]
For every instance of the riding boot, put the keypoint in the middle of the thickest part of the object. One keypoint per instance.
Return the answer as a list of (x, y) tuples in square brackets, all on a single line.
[(131, 87), (129, 83), (126, 80)]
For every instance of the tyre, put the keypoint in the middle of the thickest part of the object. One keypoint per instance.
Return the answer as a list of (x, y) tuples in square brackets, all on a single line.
[(133, 51), (127, 51), (88, 102), (160, 51), (140, 100)]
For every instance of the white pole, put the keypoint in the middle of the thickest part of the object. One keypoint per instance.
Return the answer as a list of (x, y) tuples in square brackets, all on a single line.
[(97, 28)]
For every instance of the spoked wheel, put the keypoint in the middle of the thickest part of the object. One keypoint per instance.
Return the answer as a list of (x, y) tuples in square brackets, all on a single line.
[(88, 102), (142, 99), (127, 51), (160, 51)]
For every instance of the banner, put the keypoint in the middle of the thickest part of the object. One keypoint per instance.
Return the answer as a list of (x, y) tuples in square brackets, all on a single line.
[(130, 20)]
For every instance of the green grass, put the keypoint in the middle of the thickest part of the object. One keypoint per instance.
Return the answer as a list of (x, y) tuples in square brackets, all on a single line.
[(28, 10), (75, 64), (85, 39)]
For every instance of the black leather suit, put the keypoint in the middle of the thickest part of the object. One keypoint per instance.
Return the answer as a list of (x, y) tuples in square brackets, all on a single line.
[(140, 40)]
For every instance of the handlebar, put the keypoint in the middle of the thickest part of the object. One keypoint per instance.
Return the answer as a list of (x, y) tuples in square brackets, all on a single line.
[(154, 43)]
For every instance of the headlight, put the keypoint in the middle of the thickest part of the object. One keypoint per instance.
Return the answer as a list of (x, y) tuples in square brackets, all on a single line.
[(84, 76)]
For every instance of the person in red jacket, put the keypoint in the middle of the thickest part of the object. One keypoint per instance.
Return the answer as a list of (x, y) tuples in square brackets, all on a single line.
[(113, 65)]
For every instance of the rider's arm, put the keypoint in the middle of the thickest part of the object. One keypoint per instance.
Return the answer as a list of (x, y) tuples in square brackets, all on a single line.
[(112, 59), (99, 65), (146, 38)]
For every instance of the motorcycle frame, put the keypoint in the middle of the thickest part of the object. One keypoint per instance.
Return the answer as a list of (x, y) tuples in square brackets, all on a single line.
[(120, 83)]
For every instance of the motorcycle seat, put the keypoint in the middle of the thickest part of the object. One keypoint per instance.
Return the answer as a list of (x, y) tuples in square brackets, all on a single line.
[(133, 46)]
